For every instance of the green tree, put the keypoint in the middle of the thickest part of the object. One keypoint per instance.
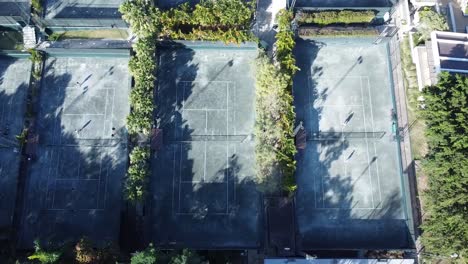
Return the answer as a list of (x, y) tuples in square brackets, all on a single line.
[(142, 16), (446, 165), (187, 257), (430, 21), (44, 256), (147, 256)]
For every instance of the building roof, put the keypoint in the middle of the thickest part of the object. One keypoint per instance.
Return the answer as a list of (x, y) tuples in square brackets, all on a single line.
[(450, 51)]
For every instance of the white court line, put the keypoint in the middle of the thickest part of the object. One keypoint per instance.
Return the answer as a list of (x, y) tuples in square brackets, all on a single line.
[(180, 175), (99, 182), (227, 148), (375, 149), (331, 105), (309, 88), (112, 107), (367, 146), (173, 178), (346, 208), (105, 186), (204, 165), (105, 114), (205, 109)]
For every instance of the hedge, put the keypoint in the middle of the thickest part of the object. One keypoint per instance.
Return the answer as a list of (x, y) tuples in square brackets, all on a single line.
[(324, 18), (275, 148), (337, 31), (138, 174)]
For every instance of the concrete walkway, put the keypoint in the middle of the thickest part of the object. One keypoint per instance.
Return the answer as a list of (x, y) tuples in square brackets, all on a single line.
[(87, 44), (265, 19)]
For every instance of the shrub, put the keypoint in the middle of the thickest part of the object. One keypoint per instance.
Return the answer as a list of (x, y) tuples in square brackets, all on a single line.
[(324, 18), (222, 20), (147, 256), (142, 16), (36, 55), (285, 43), (37, 6), (44, 256), (275, 147), (138, 174)]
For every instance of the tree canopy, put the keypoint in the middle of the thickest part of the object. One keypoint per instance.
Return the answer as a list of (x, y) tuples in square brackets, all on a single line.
[(446, 164)]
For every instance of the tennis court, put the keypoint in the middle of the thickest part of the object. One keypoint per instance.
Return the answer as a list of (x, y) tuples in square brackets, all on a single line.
[(82, 8), (14, 82), (203, 189), (74, 186), (349, 182)]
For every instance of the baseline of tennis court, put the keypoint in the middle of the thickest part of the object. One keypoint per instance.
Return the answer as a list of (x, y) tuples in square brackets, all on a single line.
[(74, 186), (14, 82), (203, 189), (349, 181)]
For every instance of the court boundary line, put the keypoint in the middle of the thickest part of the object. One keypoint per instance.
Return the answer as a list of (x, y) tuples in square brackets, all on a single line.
[(375, 148)]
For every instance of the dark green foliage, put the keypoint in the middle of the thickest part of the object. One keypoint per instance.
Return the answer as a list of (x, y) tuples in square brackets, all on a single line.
[(337, 32), (328, 17), (446, 164), (138, 174), (223, 20), (147, 256), (142, 17), (152, 256)]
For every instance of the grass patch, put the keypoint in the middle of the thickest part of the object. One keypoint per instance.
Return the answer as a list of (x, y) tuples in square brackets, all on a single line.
[(324, 18), (90, 34), (311, 31), (417, 125)]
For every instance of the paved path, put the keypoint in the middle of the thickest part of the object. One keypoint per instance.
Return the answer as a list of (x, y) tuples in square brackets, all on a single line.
[(87, 44)]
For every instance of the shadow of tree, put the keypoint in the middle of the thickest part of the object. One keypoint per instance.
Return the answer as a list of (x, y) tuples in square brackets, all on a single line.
[(73, 186), (14, 83)]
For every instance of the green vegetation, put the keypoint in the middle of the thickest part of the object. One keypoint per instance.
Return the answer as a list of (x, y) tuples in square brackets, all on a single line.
[(36, 6), (138, 174), (417, 125), (446, 164), (222, 20), (152, 256), (90, 34), (429, 21), (275, 118), (337, 32), (329, 17), (142, 17), (142, 66), (44, 256)]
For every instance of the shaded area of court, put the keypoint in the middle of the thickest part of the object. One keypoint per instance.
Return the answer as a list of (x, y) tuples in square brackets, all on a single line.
[(203, 190), (14, 82), (82, 8), (343, 3), (349, 182), (74, 187)]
